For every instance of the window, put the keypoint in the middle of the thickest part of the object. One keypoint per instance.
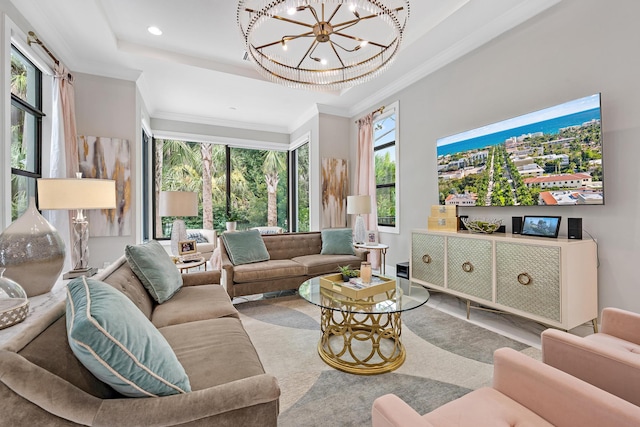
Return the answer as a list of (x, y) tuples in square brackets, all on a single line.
[(249, 184), (26, 131), (300, 188), (385, 158)]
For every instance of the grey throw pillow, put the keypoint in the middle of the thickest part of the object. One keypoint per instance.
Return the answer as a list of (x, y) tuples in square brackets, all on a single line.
[(153, 266), (337, 241), (245, 247)]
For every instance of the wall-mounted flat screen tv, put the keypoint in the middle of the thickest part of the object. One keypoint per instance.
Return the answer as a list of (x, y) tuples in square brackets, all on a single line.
[(548, 157)]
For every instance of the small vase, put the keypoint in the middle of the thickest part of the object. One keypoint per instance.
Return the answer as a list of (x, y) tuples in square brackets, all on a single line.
[(32, 252), (231, 225)]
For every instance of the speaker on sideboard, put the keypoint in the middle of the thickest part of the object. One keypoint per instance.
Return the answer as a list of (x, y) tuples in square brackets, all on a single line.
[(574, 228), (516, 224)]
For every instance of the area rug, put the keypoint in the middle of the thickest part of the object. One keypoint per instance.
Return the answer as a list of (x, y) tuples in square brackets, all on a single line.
[(447, 357)]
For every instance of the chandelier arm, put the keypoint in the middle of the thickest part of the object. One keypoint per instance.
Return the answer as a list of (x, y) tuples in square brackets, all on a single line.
[(336, 52), (368, 41), (334, 13), (314, 13), (315, 42), (292, 21), (286, 38)]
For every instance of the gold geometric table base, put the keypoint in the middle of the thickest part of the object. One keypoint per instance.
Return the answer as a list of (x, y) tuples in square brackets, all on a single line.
[(361, 343)]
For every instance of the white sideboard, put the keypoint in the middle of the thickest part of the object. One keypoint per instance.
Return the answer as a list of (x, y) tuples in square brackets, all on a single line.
[(551, 281)]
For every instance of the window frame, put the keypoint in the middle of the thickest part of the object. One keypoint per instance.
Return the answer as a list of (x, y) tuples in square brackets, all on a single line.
[(35, 111), (392, 109), (293, 182)]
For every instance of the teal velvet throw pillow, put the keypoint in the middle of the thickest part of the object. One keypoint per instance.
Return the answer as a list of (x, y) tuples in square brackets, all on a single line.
[(245, 247), (337, 241), (153, 266), (114, 340)]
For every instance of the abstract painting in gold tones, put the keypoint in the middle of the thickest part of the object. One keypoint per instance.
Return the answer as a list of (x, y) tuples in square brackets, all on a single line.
[(108, 158), (335, 187)]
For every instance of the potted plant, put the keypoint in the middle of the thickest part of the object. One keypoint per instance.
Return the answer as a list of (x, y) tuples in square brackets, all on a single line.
[(347, 272), (232, 221)]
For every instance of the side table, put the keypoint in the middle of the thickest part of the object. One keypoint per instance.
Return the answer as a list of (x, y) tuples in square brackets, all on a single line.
[(380, 247), (185, 266)]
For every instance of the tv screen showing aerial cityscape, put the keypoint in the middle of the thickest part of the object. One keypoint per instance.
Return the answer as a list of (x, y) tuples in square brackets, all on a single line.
[(551, 157)]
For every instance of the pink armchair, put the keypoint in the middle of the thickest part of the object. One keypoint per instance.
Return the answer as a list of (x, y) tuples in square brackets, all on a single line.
[(525, 392), (610, 359)]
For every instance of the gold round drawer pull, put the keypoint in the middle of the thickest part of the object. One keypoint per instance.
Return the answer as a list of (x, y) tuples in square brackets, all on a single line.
[(524, 279), (426, 259), (467, 267)]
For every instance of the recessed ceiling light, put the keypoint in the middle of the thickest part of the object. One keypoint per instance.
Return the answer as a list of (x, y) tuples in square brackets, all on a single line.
[(155, 31)]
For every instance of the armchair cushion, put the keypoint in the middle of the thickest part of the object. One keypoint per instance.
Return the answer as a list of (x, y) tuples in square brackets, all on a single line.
[(118, 344), (153, 266)]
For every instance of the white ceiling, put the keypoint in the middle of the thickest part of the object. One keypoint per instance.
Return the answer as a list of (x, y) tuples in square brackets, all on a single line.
[(195, 72)]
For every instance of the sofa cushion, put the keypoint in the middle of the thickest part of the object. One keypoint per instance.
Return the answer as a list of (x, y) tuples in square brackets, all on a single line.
[(153, 266), (337, 241), (315, 265), (214, 351), (267, 270), (194, 303), (118, 344), (126, 281), (245, 247)]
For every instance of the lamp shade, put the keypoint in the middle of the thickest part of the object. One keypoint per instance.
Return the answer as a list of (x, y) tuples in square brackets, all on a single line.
[(178, 203), (76, 193), (359, 204)]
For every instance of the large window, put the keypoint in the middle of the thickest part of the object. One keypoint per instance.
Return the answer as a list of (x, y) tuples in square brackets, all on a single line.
[(385, 152), (26, 131), (246, 185), (300, 184)]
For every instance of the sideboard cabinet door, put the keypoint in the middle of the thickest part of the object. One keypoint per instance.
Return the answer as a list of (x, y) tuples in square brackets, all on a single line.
[(528, 279), (470, 267), (427, 258)]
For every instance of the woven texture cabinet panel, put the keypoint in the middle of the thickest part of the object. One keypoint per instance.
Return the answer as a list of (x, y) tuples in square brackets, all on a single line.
[(469, 267), (539, 266), (427, 258)]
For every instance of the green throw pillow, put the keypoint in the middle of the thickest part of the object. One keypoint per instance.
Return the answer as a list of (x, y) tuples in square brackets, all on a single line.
[(153, 266), (337, 241), (118, 344), (245, 247)]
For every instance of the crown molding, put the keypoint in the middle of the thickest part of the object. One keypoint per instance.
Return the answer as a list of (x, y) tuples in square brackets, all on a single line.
[(224, 140), (481, 36), (189, 118)]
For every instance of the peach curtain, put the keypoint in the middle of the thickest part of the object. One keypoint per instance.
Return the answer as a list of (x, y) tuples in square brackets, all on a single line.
[(366, 177), (64, 148)]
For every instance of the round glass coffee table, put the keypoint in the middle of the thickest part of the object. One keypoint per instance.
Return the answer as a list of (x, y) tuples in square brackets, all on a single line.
[(362, 336)]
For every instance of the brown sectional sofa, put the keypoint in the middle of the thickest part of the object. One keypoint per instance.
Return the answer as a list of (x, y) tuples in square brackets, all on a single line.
[(43, 383), (294, 258)]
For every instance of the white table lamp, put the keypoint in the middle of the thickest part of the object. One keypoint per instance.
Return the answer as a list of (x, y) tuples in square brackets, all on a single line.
[(178, 204), (359, 205), (79, 194)]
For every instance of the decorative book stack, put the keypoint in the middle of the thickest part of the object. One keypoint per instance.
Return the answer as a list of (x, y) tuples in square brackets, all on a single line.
[(443, 218), (354, 288)]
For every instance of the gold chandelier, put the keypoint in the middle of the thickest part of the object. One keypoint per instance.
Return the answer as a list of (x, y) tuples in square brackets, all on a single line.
[(322, 44)]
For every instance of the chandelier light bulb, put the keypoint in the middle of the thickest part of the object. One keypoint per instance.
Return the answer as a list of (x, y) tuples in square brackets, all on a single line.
[(284, 45), (364, 43), (291, 11), (323, 61)]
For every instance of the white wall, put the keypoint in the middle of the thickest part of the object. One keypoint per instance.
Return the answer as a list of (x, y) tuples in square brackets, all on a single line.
[(108, 107), (576, 48)]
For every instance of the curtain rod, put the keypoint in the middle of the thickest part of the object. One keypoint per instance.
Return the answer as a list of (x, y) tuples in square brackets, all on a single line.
[(379, 110), (34, 39)]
